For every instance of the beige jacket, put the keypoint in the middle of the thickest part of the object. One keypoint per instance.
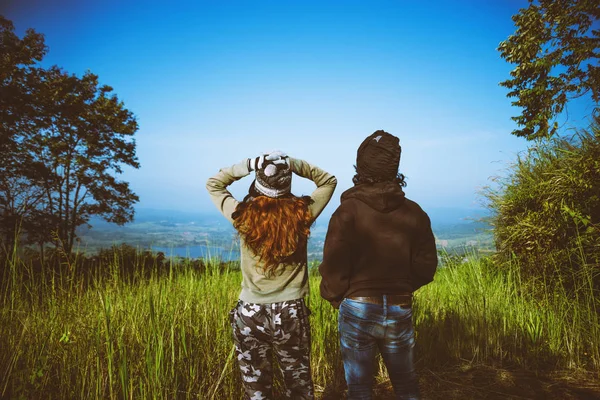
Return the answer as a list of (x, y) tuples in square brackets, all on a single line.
[(290, 281)]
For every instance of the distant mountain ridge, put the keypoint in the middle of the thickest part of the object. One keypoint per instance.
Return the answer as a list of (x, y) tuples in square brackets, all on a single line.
[(440, 216), (453, 216), (184, 230)]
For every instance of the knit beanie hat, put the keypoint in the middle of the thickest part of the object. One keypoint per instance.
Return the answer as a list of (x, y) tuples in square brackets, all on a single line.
[(379, 156), (273, 180)]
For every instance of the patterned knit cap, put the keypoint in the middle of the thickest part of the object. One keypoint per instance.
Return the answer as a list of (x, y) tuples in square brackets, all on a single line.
[(273, 180), (379, 156)]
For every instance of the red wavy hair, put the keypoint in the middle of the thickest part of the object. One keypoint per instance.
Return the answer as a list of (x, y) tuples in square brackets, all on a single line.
[(274, 228)]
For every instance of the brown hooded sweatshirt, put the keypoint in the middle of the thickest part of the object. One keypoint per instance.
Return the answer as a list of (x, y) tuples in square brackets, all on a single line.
[(378, 242)]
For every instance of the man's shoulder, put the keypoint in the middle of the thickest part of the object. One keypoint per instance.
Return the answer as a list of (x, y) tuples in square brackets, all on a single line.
[(346, 209), (415, 207), (412, 203)]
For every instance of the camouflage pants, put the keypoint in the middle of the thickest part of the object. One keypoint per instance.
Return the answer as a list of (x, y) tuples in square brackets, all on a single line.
[(259, 330)]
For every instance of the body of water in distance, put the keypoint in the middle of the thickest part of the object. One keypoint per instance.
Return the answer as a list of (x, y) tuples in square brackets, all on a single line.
[(199, 251)]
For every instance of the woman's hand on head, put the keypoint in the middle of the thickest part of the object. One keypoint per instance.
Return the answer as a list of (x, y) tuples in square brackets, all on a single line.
[(256, 162), (277, 157)]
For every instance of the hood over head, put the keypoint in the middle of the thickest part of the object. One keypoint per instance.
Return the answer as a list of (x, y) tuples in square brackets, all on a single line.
[(378, 156), (383, 196)]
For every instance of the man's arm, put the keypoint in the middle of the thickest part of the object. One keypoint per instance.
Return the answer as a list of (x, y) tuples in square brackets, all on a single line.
[(424, 262), (217, 187), (338, 257)]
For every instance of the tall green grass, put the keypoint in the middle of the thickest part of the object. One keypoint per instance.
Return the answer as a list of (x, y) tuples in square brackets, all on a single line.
[(546, 208), (166, 335), (475, 311)]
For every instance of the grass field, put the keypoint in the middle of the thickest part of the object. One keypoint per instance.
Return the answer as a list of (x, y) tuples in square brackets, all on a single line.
[(164, 334)]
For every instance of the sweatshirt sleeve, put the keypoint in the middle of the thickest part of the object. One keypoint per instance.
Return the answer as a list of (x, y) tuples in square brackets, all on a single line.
[(338, 257), (217, 187), (325, 182), (424, 261)]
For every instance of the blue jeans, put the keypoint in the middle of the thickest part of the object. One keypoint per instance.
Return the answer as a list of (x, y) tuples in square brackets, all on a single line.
[(367, 328)]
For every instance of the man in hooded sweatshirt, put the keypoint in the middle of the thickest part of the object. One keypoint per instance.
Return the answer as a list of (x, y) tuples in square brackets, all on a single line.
[(378, 250)]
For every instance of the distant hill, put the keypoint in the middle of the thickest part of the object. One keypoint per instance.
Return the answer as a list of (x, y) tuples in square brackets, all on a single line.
[(171, 216), (176, 216), (441, 217), (453, 228)]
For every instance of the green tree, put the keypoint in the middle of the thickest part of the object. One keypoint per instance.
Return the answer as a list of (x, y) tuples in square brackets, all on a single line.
[(556, 48), (19, 114), (83, 143), (65, 141)]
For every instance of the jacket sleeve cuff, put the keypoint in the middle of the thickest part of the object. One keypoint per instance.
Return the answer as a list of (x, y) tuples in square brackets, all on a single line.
[(241, 169)]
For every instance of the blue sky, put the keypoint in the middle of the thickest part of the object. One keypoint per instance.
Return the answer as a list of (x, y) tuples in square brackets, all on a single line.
[(212, 83)]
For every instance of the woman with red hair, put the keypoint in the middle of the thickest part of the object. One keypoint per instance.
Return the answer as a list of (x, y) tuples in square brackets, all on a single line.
[(271, 315)]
